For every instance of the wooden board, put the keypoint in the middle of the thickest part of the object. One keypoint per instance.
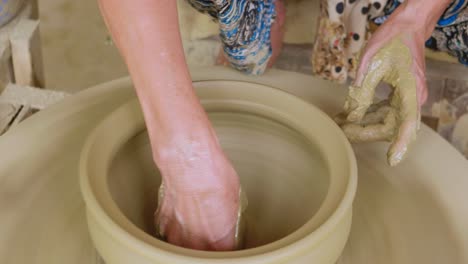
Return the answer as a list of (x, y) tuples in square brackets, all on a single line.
[(26, 53)]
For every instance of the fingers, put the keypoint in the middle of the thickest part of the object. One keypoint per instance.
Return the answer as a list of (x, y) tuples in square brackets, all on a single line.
[(175, 236), (376, 126), (394, 65), (226, 243), (373, 46), (406, 101), (363, 68), (360, 98), (376, 113), (399, 147), (421, 88), (201, 222), (357, 133)]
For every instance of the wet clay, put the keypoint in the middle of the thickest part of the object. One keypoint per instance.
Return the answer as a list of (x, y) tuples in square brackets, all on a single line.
[(378, 124), (395, 120)]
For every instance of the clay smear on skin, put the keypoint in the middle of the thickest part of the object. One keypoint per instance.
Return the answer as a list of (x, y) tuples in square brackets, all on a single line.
[(393, 62)]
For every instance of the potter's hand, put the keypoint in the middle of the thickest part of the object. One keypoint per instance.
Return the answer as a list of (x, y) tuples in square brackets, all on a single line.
[(397, 119), (395, 55), (200, 198), (200, 206)]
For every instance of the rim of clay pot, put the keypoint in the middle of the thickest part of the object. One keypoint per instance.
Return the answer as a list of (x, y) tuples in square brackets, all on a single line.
[(102, 207)]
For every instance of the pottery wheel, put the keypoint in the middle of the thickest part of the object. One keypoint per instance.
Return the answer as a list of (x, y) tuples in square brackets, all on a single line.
[(414, 213)]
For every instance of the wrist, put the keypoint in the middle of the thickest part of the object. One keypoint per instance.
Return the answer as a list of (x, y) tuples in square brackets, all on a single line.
[(427, 6), (195, 165), (174, 122), (427, 13), (185, 144)]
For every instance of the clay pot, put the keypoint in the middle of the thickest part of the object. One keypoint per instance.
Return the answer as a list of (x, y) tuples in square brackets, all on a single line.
[(295, 165), (9, 9)]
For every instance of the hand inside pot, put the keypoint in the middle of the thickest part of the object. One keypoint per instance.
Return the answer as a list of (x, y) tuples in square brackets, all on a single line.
[(200, 206), (199, 199)]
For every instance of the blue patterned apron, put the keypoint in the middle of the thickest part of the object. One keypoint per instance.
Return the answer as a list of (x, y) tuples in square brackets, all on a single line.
[(244, 30)]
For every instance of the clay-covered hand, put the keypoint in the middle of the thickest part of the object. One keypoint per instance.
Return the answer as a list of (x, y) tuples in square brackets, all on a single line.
[(395, 55), (397, 119), (200, 199)]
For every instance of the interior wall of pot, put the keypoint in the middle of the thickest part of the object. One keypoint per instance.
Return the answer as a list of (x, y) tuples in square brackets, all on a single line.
[(282, 174)]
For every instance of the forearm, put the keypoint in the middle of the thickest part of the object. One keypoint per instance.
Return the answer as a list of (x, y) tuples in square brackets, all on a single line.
[(147, 35)]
